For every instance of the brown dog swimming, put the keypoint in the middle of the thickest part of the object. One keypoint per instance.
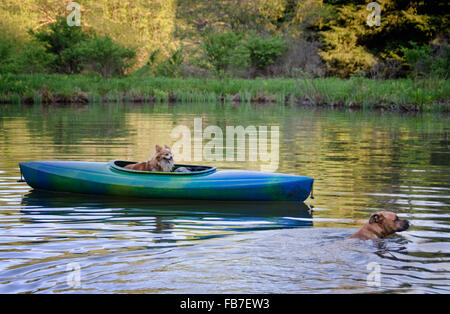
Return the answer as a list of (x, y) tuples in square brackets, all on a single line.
[(381, 225)]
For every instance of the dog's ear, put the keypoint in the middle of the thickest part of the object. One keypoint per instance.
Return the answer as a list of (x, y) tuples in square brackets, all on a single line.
[(158, 148), (376, 218), (165, 146)]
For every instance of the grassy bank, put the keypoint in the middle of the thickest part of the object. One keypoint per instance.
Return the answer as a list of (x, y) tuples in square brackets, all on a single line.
[(400, 94)]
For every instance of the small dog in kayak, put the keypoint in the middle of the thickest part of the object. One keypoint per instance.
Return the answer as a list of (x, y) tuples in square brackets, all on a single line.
[(162, 160), (381, 225)]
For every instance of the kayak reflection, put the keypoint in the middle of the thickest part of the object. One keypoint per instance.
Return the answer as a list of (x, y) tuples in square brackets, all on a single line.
[(236, 216)]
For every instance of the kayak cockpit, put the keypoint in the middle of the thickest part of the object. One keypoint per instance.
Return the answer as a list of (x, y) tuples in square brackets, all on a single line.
[(178, 169)]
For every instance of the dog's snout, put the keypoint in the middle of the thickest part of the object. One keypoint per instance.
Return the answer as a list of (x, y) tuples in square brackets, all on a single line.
[(168, 157), (404, 225)]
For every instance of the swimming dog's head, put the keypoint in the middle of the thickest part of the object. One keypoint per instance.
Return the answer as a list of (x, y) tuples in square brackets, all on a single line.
[(163, 158), (388, 222), (381, 225)]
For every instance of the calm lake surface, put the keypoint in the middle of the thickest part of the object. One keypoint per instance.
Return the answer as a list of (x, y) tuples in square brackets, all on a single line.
[(362, 162)]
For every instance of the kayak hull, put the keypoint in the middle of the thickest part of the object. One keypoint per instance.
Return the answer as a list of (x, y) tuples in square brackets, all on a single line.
[(102, 179)]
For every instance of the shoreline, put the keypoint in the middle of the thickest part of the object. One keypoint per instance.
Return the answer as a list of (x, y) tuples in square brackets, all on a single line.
[(404, 95)]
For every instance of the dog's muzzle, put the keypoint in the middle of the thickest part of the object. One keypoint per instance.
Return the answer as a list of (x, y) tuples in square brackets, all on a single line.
[(404, 225)]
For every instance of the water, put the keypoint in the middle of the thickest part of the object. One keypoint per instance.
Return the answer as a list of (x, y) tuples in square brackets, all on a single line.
[(362, 162)]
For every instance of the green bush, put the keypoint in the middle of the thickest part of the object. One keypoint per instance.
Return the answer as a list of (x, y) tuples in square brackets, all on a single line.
[(101, 55), (428, 60), (6, 61), (419, 58), (228, 51), (29, 57), (264, 51), (33, 58), (76, 50), (59, 38), (441, 63), (225, 50)]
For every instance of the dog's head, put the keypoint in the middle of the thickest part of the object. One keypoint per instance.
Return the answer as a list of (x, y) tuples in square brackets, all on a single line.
[(387, 223), (164, 157)]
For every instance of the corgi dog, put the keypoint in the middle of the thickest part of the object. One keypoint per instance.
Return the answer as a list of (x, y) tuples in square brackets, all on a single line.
[(162, 160)]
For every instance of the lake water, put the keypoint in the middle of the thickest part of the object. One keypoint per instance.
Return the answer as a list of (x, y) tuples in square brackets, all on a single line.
[(362, 162)]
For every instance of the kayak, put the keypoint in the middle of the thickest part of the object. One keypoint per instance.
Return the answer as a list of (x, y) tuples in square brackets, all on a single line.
[(197, 183), (193, 183)]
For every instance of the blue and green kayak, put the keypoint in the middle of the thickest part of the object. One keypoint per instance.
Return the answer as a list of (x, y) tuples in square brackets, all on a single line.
[(196, 183)]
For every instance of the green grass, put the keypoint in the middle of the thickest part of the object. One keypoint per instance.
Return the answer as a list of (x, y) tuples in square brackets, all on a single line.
[(407, 94)]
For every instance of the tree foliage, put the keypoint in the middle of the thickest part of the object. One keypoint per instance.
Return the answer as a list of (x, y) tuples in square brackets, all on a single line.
[(352, 45), (101, 55), (346, 43), (58, 38), (224, 50), (264, 51)]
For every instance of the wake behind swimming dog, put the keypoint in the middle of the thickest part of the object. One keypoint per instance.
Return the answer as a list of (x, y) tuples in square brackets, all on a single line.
[(162, 160)]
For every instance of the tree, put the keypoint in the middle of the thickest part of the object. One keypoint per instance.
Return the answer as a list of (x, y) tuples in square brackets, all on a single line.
[(224, 50), (102, 55), (351, 45), (58, 38), (264, 50)]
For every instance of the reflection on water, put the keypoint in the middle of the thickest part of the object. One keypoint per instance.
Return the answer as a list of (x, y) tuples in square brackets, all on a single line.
[(362, 162), (166, 216)]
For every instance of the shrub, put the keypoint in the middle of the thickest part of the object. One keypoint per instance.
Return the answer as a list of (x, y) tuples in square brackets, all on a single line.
[(59, 38), (6, 61), (33, 58), (101, 55), (224, 50), (428, 60), (263, 51), (418, 58), (440, 66), (30, 57)]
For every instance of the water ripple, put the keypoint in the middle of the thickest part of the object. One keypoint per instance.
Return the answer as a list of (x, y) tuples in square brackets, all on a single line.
[(362, 163)]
